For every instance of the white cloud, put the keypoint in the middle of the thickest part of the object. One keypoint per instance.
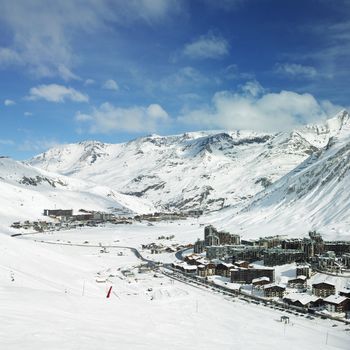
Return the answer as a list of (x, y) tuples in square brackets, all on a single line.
[(89, 82), (44, 34), (156, 112), (56, 93), (28, 114), (296, 70), (207, 46), (66, 74), (110, 85), (9, 102), (108, 118), (263, 112)]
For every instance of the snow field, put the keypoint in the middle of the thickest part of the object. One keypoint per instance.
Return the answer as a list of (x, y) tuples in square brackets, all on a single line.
[(56, 303)]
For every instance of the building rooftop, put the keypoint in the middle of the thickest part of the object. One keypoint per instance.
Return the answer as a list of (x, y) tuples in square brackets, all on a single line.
[(304, 299), (335, 299), (273, 285), (320, 283), (259, 279)]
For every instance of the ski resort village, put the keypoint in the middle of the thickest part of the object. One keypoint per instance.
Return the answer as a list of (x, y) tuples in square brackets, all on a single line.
[(174, 175), (86, 263)]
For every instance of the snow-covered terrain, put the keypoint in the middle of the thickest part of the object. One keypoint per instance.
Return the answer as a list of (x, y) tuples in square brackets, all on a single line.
[(208, 170), (315, 195), (285, 183), (51, 296), (26, 191), (53, 284)]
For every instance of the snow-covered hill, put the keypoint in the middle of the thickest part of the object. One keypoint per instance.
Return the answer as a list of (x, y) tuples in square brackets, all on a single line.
[(26, 191), (315, 195), (208, 170), (266, 183)]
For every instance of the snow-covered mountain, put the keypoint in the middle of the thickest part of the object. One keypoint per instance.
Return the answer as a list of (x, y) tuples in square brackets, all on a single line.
[(315, 195), (26, 191), (208, 170)]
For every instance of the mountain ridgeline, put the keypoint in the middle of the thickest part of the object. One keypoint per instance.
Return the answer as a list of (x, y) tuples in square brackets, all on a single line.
[(208, 170)]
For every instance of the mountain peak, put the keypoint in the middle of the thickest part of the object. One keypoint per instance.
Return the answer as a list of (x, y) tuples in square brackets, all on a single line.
[(339, 119)]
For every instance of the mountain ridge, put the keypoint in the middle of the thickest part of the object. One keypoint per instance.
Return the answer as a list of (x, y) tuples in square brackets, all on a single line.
[(212, 169)]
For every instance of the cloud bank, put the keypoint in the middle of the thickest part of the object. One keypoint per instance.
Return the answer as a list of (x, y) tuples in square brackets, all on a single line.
[(209, 46), (253, 108), (43, 34), (56, 93), (108, 118)]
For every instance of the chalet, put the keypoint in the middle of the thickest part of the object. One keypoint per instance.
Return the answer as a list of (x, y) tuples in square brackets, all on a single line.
[(190, 269), (298, 282), (323, 289), (345, 292), (260, 281), (202, 271), (184, 267), (303, 300), (273, 291), (241, 263), (223, 269), (206, 269), (192, 259), (337, 303)]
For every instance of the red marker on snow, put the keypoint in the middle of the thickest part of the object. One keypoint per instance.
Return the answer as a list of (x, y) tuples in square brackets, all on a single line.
[(109, 292)]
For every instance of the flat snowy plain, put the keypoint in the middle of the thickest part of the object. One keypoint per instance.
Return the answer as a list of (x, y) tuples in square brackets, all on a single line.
[(50, 299)]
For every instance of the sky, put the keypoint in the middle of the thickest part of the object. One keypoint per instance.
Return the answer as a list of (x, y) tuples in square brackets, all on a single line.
[(75, 70)]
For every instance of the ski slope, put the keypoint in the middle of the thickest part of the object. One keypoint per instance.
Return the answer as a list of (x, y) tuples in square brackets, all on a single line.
[(55, 302)]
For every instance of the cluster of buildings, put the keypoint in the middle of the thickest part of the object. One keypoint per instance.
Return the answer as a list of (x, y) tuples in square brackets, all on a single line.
[(296, 291), (224, 254), (170, 216), (333, 256), (155, 248), (66, 219), (64, 215)]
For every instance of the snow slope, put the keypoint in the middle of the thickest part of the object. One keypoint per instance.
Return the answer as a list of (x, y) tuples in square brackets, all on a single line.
[(26, 191), (315, 195), (208, 170), (266, 183), (49, 299)]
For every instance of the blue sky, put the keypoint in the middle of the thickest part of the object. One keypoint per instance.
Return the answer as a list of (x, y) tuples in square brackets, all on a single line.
[(115, 70)]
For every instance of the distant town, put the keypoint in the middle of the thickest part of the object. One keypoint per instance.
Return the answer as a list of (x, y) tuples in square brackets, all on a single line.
[(65, 219)]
